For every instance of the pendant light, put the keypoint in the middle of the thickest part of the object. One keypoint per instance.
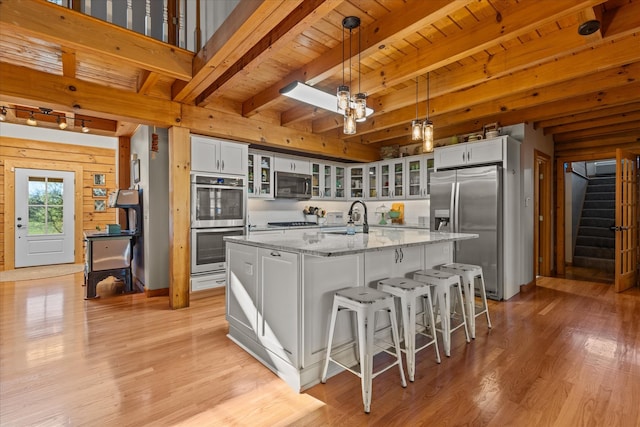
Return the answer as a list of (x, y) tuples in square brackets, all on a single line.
[(416, 124), (360, 100), (427, 127), (354, 109), (343, 94)]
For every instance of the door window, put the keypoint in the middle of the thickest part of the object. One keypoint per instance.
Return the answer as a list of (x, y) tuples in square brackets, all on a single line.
[(45, 203)]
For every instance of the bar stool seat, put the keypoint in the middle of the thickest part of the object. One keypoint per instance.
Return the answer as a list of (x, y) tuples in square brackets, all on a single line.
[(365, 302), (471, 275), (408, 290), (443, 283)]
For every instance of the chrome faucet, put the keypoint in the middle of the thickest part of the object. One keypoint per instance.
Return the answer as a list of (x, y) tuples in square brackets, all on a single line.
[(365, 222)]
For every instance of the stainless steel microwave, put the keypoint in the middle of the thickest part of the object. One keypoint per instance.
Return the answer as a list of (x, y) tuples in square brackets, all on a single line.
[(292, 186)]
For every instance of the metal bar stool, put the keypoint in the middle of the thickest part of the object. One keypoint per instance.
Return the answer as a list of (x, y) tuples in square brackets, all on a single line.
[(443, 282), (365, 302), (408, 291), (471, 274)]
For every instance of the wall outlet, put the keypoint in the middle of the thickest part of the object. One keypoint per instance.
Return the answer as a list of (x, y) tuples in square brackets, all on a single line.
[(248, 268)]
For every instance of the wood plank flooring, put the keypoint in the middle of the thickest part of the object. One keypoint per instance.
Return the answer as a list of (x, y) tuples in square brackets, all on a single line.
[(565, 354)]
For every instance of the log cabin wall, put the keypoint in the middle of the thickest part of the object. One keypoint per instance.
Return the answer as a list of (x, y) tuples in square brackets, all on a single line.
[(89, 160)]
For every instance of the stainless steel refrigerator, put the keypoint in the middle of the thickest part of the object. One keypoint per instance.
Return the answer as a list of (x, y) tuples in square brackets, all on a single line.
[(469, 200)]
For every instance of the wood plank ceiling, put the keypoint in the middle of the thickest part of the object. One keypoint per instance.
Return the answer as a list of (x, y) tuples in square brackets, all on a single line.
[(502, 61)]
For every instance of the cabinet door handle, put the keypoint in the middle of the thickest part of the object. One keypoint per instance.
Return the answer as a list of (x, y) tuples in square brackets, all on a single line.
[(274, 253), (397, 255), (223, 165), (220, 281), (401, 254), (217, 164)]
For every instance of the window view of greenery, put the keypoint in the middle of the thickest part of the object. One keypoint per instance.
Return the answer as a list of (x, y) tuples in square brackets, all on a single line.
[(45, 206)]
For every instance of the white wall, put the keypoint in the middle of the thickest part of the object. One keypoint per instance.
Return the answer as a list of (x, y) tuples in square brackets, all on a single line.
[(531, 139), (260, 212), (153, 271)]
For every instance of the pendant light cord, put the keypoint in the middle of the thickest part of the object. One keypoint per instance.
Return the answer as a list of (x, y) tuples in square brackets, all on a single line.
[(428, 95)]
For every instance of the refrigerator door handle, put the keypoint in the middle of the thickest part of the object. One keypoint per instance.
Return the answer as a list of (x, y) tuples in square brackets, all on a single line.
[(456, 210)]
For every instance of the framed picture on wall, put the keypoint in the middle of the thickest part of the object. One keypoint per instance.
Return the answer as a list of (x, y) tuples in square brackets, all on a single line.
[(99, 206), (99, 179), (99, 192)]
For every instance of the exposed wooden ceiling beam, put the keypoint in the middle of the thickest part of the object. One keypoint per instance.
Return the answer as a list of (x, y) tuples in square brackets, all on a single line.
[(245, 26), (306, 14), (78, 31), (146, 81), (68, 62), (487, 33), (82, 97), (587, 116), (410, 18), (523, 85), (598, 131), (87, 98), (224, 125), (605, 119)]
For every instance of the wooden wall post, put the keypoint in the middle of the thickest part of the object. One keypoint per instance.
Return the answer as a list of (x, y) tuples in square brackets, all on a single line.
[(179, 225)]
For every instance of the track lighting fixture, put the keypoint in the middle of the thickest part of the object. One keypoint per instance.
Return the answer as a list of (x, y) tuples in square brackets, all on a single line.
[(31, 121), (60, 119)]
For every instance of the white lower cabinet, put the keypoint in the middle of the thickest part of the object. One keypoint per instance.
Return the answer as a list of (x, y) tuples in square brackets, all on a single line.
[(278, 306), (398, 262), (208, 281), (242, 288)]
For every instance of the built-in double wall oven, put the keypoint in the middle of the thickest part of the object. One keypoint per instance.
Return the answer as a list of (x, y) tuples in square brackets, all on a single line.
[(218, 209)]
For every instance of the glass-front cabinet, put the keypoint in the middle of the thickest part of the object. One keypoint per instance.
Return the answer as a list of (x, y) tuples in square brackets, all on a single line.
[(260, 175), (418, 170), (339, 180), (392, 179), (372, 181), (327, 181), (356, 182)]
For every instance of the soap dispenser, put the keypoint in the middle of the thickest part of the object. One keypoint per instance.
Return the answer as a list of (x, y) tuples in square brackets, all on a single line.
[(351, 228)]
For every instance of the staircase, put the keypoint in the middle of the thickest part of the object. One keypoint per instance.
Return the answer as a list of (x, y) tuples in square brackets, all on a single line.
[(595, 244)]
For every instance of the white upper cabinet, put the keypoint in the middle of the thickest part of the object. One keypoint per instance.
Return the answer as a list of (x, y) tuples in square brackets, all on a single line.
[(323, 181), (292, 164), (418, 171), (260, 177), (469, 153), (392, 173), (216, 155), (356, 182)]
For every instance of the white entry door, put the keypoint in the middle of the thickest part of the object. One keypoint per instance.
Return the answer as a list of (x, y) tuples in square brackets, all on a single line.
[(44, 222)]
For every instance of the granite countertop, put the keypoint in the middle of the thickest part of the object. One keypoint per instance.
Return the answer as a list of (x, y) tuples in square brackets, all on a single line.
[(263, 227), (313, 241)]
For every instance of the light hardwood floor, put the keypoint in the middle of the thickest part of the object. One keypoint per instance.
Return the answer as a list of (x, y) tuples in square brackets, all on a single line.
[(565, 354)]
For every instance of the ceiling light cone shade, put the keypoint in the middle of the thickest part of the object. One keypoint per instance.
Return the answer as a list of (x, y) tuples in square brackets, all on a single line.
[(416, 130), (3, 114), (62, 124), (31, 121), (312, 96), (427, 131), (360, 107), (85, 129), (349, 122)]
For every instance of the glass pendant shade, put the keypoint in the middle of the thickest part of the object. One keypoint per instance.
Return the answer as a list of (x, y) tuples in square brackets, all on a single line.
[(427, 134), (360, 107), (343, 97), (349, 122), (416, 130)]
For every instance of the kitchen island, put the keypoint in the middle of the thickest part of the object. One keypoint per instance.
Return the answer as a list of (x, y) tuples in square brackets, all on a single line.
[(280, 288)]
